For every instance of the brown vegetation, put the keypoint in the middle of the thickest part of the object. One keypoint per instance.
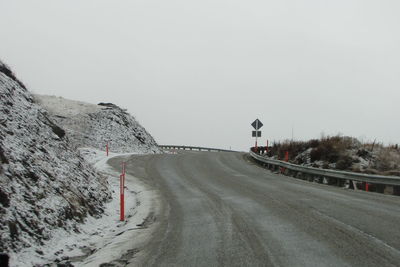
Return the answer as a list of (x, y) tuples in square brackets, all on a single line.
[(342, 153)]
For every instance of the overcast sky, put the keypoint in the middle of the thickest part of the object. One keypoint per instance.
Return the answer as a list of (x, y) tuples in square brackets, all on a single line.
[(199, 72)]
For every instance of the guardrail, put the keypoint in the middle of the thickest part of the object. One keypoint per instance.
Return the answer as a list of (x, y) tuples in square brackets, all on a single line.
[(194, 148), (342, 175)]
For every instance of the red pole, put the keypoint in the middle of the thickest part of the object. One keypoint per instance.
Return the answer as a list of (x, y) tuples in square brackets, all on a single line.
[(267, 146), (367, 187), (286, 159), (122, 190), (107, 149), (121, 195)]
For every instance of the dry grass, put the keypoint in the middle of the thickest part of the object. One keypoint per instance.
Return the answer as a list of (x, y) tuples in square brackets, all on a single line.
[(343, 152), (388, 159)]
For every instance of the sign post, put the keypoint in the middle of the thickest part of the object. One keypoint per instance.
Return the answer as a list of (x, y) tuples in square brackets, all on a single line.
[(257, 124)]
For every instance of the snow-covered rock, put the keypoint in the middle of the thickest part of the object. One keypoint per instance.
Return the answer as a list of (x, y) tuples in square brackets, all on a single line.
[(89, 125), (44, 183)]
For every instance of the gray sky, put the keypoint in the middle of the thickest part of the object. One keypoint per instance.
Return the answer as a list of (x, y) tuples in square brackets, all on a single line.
[(199, 72)]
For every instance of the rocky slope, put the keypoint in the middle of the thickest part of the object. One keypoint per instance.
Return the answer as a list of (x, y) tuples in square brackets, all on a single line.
[(44, 183), (89, 125)]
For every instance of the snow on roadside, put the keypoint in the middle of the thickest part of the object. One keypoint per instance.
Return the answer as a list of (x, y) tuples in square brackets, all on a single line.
[(100, 240), (117, 246)]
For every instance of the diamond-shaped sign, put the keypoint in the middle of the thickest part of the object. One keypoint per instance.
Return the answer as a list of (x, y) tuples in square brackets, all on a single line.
[(257, 124)]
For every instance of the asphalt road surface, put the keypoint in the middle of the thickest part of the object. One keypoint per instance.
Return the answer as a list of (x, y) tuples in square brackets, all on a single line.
[(220, 209)]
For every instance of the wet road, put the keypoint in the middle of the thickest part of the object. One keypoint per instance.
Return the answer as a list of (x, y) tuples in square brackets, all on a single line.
[(220, 209)]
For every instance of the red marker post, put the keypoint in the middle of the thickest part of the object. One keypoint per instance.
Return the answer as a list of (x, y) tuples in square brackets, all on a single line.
[(122, 189), (122, 206), (286, 159), (107, 149)]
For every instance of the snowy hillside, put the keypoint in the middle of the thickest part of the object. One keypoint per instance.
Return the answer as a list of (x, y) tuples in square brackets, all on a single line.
[(44, 183), (89, 125)]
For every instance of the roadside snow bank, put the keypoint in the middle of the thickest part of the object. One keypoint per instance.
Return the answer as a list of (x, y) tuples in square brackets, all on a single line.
[(121, 240), (104, 240)]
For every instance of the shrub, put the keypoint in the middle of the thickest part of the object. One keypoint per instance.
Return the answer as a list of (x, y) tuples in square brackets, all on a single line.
[(384, 161), (313, 143), (325, 165), (315, 154), (336, 149), (344, 162), (362, 153)]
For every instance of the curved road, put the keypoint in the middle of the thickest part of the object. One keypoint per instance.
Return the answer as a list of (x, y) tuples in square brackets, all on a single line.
[(220, 209)]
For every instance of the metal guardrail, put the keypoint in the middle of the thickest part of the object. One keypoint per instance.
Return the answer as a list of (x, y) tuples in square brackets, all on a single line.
[(353, 176), (194, 148)]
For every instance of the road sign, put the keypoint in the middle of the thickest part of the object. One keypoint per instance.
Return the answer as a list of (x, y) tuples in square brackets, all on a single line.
[(257, 124)]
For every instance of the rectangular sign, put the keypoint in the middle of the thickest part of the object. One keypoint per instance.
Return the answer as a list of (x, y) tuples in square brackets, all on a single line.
[(254, 133)]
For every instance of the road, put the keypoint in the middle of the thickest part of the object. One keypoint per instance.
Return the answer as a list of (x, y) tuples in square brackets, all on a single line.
[(220, 209)]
